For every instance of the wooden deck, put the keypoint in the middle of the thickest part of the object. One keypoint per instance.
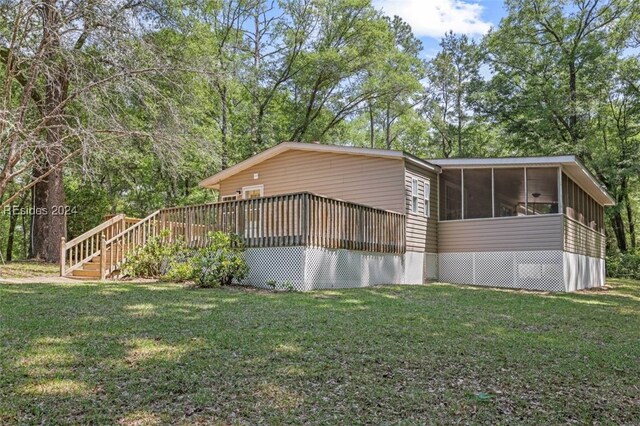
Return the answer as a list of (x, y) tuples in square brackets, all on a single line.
[(300, 219)]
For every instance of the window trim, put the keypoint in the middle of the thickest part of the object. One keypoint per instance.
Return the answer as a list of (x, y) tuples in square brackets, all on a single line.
[(426, 197), (415, 208), (245, 189)]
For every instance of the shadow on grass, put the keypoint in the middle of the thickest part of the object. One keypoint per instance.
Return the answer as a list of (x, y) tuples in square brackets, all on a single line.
[(160, 353)]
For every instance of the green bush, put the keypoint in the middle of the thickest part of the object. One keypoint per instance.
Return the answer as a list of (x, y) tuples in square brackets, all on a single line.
[(221, 262), (153, 260), (181, 270), (624, 265)]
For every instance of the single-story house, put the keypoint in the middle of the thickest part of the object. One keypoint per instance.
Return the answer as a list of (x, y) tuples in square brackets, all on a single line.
[(534, 222), (323, 216)]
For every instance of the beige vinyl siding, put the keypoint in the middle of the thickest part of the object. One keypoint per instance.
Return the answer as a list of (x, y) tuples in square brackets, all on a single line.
[(373, 181), (422, 232), (580, 239), (521, 233)]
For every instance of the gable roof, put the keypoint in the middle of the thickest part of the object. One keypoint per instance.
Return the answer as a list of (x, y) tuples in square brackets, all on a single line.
[(571, 165), (213, 181)]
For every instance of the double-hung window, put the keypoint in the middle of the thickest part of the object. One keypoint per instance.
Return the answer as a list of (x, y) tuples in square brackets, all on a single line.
[(414, 196), (427, 199)]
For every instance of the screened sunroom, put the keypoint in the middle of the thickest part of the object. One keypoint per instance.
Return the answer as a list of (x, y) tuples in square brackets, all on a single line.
[(534, 223), (490, 192)]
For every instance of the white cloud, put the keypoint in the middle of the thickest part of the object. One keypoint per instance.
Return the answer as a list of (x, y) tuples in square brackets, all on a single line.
[(433, 18)]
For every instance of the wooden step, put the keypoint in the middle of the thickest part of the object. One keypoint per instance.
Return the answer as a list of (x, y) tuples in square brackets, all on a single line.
[(91, 266), (85, 273), (96, 260)]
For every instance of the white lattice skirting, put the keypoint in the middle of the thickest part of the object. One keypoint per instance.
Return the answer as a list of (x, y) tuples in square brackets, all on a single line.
[(307, 268), (554, 270)]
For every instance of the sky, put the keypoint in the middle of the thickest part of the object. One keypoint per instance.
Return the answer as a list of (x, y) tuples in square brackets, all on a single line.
[(431, 19)]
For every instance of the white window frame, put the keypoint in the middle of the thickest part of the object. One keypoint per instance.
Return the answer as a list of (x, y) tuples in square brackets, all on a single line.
[(414, 196), (426, 187), (246, 189), (233, 197)]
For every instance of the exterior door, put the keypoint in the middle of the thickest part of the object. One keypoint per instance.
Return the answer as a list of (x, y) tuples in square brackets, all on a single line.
[(252, 213)]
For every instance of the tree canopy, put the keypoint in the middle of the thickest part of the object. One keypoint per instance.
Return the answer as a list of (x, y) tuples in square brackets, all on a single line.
[(123, 106)]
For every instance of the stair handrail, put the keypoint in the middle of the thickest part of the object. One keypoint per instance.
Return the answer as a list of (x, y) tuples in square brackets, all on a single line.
[(136, 225), (128, 220), (117, 248), (94, 230), (87, 244)]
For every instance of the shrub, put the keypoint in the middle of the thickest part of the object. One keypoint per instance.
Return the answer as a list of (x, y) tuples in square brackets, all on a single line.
[(181, 270), (154, 258), (624, 265), (221, 262)]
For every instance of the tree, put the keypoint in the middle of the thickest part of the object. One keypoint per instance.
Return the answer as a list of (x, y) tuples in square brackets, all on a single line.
[(615, 146), (397, 78), (553, 63), (61, 61), (342, 39), (454, 77), (548, 55)]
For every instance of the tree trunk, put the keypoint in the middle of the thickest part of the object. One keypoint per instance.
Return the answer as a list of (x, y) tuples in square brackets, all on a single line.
[(630, 220), (257, 109), (13, 219), (49, 223), (573, 117), (387, 128), (459, 114), (443, 143), (371, 127), (224, 129), (49, 220), (24, 236), (618, 229)]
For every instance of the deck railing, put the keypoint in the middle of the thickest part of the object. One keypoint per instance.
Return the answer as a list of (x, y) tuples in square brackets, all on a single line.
[(301, 219)]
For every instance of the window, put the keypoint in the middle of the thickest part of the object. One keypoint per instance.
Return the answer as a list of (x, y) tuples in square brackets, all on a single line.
[(451, 194), (254, 191), (594, 219), (508, 192), (414, 196), (427, 197), (477, 193), (569, 205), (542, 190), (229, 197), (580, 205)]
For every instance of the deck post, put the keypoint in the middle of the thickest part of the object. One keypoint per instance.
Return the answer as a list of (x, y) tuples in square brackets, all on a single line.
[(63, 255), (103, 258), (305, 220)]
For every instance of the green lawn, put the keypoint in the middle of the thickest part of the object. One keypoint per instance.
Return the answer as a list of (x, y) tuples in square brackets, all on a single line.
[(28, 269), (161, 353)]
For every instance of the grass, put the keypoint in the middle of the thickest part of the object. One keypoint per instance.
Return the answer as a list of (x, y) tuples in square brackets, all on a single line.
[(161, 353), (28, 269)]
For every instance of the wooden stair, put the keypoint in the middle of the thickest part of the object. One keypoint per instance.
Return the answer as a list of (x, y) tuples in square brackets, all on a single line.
[(90, 269), (81, 258)]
